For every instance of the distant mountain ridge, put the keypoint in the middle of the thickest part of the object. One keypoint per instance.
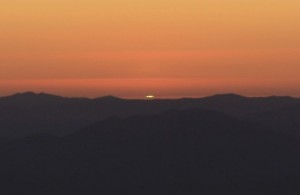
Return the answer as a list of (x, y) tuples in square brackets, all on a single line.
[(30, 113), (191, 151), (222, 144), (224, 95)]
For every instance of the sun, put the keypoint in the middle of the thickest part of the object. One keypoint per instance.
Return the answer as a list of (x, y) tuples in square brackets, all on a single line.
[(150, 97)]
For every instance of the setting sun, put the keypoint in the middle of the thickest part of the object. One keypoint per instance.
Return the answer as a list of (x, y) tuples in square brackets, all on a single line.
[(251, 47)]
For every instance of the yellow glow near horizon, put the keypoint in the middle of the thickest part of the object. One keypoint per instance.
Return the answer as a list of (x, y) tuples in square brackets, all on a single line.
[(150, 96)]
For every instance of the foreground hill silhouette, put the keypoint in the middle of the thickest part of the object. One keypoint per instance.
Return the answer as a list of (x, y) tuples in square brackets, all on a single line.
[(194, 151), (28, 113)]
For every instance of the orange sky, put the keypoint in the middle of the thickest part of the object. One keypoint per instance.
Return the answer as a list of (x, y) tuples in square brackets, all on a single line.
[(133, 48)]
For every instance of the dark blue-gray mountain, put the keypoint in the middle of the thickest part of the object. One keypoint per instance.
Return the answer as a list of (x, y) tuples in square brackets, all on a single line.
[(194, 151), (29, 113)]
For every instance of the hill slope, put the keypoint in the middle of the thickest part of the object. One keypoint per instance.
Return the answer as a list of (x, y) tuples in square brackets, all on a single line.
[(176, 152), (27, 114)]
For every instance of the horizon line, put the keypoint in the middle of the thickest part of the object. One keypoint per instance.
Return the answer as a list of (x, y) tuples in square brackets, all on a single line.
[(145, 96)]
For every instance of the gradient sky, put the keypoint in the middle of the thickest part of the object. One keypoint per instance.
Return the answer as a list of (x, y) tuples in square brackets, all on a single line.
[(133, 48)]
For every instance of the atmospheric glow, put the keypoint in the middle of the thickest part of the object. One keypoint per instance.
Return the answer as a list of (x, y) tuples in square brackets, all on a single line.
[(150, 96), (171, 48)]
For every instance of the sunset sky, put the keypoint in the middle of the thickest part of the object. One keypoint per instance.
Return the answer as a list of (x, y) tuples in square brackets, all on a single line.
[(132, 48)]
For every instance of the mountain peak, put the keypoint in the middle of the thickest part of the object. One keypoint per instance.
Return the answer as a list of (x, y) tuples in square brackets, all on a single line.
[(228, 96), (25, 94), (108, 97), (33, 95)]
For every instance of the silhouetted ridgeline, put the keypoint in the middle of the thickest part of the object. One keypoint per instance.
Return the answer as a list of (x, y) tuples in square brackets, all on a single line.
[(29, 113), (224, 144), (191, 152)]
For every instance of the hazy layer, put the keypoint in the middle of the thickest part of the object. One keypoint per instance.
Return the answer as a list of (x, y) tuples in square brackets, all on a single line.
[(184, 47)]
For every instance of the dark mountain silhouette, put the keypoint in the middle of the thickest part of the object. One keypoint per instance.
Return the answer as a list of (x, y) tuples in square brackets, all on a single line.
[(28, 113), (286, 119), (176, 152), (108, 98)]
